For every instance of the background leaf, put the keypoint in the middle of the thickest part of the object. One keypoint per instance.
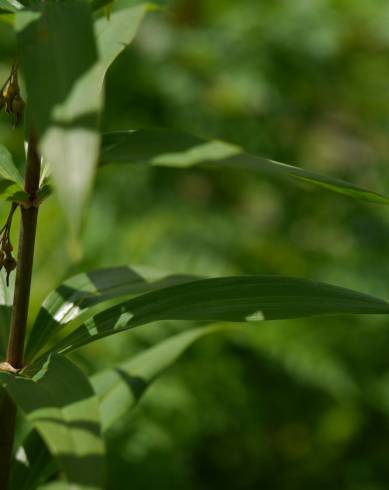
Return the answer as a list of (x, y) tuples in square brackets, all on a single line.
[(171, 148)]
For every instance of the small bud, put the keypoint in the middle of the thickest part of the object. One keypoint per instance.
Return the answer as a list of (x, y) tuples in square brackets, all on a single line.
[(9, 93), (9, 266), (10, 96), (10, 89)]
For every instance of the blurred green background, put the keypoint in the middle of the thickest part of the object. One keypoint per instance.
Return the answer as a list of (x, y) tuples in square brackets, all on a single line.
[(281, 405)]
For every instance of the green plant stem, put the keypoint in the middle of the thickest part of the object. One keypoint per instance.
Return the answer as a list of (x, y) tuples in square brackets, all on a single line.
[(7, 428), (20, 304), (25, 259)]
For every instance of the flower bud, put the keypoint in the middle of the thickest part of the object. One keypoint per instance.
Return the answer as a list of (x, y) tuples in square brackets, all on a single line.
[(9, 266)]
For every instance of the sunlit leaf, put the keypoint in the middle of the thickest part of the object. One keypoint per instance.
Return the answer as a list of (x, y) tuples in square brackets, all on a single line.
[(120, 388), (84, 291), (58, 401), (58, 40), (170, 148), (59, 58), (233, 299)]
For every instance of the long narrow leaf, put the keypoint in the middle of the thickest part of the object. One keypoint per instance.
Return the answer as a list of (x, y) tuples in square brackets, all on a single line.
[(170, 148), (233, 299), (59, 402), (84, 291)]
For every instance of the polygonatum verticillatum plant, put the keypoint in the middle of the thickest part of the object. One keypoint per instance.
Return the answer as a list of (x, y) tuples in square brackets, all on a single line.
[(64, 51)]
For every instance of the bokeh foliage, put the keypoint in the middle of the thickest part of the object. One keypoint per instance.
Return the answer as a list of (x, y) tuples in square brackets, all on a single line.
[(302, 404)]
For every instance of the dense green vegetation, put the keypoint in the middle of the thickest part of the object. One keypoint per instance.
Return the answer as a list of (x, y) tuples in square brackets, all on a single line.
[(293, 404)]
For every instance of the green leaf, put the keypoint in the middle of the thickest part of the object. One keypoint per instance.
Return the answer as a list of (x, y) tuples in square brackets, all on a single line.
[(233, 299), (59, 59), (11, 182), (8, 171), (57, 42), (170, 148), (58, 401), (119, 389), (84, 291)]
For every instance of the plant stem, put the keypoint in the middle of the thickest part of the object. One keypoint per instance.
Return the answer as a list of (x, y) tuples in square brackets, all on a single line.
[(7, 431), (25, 259), (20, 305)]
